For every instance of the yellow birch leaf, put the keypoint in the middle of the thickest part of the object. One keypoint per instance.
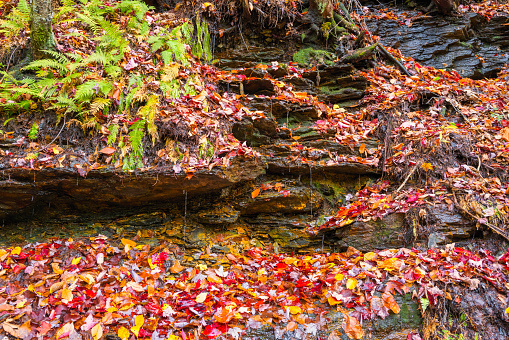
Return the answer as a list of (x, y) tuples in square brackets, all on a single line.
[(56, 268), (16, 251), (351, 283), (76, 260), (128, 242), (123, 333), (56, 287), (139, 320), (151, 265), (339, 277), (294, 309)]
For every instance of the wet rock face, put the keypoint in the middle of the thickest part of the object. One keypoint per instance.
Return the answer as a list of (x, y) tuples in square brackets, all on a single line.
[(382, 234), (450, 42), (449, 226), (22, 189), (393, 327)]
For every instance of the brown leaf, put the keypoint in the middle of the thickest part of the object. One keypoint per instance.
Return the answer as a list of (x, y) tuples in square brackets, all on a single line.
[(107, 151)]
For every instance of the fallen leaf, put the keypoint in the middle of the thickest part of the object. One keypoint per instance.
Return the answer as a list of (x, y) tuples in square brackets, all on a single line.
[(201, 297), (123, 333), (97, 331), (390, 302), (107, 151), (352, 327), (255, 193)]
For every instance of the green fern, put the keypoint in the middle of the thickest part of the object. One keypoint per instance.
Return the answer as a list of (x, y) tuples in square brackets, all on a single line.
[(134, 159), (86, 91), (113, 128)]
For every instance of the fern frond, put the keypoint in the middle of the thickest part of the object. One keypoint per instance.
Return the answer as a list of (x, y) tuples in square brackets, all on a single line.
[(99, 104), (86, 91), (149, 113), (45, 63), (91, 22), (98, 57)]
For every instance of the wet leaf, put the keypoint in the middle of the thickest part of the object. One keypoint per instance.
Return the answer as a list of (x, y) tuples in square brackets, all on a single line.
[(108, 151), (352, 327), (255, 193), (390, 302)]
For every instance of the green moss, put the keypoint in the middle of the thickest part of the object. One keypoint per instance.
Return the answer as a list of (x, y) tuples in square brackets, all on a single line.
[(311, 56)]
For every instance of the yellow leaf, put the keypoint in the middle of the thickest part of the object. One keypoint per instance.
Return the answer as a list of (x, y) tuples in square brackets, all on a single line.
[(427, 166), (88, 278), (16, 251), (351, 283), (97, 331), (202, 267), (76, 260), (21, 304), (294, 309), (123, 333), (151, 265), (56, 268), (507, 310), (65, 330), (333, 301), (201, 297), (370, 256), (128, 242), (56, 287), (339, 277), (139, 320), (66, 295), (174, 337)]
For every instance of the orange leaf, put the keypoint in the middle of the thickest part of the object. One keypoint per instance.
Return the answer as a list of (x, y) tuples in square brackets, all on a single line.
[(255, 193), (362, 148), (390, 302), (176, 268), (223, 315), (352, 327)]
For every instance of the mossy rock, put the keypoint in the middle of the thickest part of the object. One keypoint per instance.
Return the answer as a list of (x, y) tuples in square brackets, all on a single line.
[(311, 56)]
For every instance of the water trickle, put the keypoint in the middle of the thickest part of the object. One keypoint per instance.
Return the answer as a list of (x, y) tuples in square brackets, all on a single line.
[(185, 212), (311, 190)]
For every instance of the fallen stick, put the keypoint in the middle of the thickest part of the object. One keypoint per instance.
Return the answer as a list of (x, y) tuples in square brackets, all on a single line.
[(407, 177), (393, 59)]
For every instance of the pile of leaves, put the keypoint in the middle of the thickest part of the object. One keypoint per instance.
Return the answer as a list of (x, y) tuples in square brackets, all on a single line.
[(71, 288)]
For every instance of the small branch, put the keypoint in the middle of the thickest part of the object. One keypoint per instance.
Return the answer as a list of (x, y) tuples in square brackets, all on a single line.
[(407, 177), (394, 60)]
